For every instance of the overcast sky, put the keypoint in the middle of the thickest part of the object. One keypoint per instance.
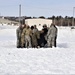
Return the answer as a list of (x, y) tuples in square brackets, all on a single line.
[(37, 8)]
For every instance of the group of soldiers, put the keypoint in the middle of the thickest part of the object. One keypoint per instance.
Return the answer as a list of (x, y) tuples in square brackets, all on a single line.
[(31, 37)]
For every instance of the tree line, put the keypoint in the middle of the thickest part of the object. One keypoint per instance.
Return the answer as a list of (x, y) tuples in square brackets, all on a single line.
[(58, 20), (63, 21)]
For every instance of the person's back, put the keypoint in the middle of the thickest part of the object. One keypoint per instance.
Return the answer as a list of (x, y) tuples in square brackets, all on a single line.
[(52, 31), (52, 34)]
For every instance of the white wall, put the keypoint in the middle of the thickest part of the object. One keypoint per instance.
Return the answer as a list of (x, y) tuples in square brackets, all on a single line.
[(38, 22)]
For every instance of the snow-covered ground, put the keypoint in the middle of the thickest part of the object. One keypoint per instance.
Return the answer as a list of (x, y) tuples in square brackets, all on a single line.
[(59, 60)]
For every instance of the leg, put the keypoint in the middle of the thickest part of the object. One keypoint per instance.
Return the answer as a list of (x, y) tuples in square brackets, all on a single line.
[(55, 42), (49, 42)]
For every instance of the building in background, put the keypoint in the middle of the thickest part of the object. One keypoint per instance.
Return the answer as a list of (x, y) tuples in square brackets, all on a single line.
[(38, 22)]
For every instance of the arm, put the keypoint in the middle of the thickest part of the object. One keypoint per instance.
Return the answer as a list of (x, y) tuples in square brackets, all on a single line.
[(48, 33)]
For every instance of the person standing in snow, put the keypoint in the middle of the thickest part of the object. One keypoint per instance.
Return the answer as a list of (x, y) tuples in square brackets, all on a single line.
[(23, 37), (35, 36), (28, 33), (19, 36), (45, 29), (52, 36), (42, 41)]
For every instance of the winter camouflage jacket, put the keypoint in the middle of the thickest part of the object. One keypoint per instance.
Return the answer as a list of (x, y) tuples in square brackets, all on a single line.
[(19, 33), (52, 32)]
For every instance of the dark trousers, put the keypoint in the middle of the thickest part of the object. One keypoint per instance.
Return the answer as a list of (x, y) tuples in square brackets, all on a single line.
[(55, 42)]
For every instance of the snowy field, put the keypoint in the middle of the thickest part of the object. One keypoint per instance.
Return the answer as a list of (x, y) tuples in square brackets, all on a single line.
[(59, 60)]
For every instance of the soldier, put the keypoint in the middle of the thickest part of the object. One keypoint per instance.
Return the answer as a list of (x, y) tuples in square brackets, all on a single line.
[(45, 29), (42, 40), (35, 36), (19, 36), (23, 37), (52, 34), (28, 33)]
